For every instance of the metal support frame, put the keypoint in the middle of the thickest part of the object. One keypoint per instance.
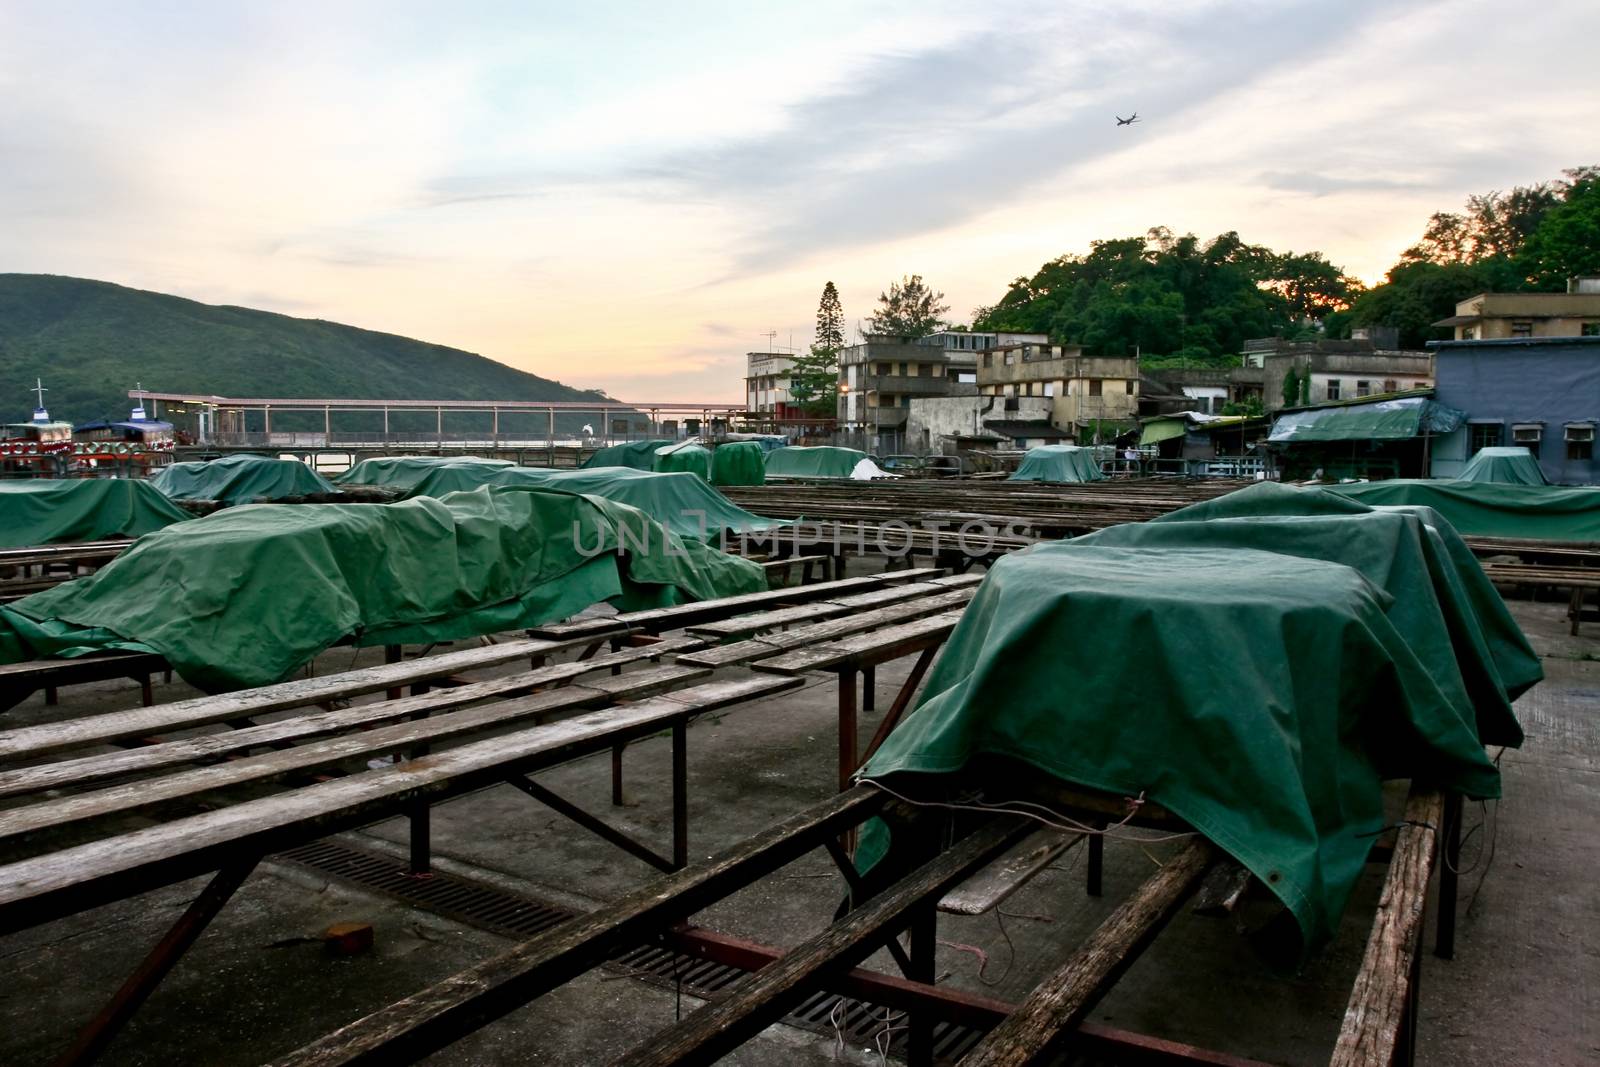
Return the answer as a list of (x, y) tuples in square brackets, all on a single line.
[(1444, 937), (680, 806), (110, 1020)]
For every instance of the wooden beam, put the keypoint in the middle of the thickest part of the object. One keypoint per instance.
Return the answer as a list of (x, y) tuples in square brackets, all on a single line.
[(1060, 1002), (752, 1006), (407, 1031), (1382, 988)]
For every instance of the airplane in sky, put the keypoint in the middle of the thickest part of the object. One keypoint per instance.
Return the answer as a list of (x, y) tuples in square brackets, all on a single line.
[(1129, 121)]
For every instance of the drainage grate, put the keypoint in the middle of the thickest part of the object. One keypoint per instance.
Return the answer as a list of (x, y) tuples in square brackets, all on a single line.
[(511, 915)]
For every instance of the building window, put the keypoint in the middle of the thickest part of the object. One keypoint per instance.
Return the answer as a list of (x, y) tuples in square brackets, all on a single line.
[(1094, 386), (1011, 357), (1334, 385), (1363, 388), (904, 370), (878, 369), (1482, 435), (1469, 333), (1522, 328), (1589, 329), (988, 361), (1580, 441), (1049, 388), (1390, 385), (1529, 435), (1130, 387)]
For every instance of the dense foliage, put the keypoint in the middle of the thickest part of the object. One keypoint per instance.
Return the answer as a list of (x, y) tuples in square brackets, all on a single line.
[(1167, 295), (814, 377), (1532, 238), (92, 341)]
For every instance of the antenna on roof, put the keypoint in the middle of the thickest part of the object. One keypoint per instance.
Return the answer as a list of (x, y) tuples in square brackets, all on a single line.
[(772, 339)]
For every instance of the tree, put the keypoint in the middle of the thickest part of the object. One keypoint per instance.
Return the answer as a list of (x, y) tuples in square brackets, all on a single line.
[(1494, 226), (814, 377), (909, 309), (1567, 241), (814, 381), (1312, 287), (1291, 387), (830, 320)]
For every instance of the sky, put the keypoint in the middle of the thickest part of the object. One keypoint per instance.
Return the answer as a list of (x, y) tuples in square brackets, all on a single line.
[(631, 196)]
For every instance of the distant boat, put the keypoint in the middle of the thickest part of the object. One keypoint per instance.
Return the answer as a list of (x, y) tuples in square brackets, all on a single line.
[(38, 448), (133, 447)]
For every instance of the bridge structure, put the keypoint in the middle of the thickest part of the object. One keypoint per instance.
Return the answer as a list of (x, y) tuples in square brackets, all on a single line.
[(312, 425)]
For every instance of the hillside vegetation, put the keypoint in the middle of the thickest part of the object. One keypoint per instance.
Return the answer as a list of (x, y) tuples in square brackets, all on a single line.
[(91, 341)]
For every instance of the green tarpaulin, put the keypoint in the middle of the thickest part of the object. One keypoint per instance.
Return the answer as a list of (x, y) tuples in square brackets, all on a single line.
[(249, 595), (822, 461), (687, 458), (640, 455), (1489, 509), (1508, 466), (1261, 697), (404, 472), (48, 511), (241, 480), (1482, 621), (739, 463), (1154, 431), (683, 502), (1378, 420), (1058, 463)]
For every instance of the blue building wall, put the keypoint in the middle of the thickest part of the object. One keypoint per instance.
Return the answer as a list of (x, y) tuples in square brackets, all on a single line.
[(1550, 380)]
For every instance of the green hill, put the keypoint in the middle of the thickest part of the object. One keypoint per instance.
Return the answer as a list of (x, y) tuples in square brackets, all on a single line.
[(91, 341)]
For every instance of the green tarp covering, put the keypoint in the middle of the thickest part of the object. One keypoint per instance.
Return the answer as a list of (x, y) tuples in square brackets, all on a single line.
[(1481, 626), (1261, 697), (1489, 509), (683, 502), (48, 511), (241, 480), (822, 461), (1058, 463), (404, 472), (640, 455), (249, 595), (1155, 431), (1508, 466), (739, 463), (687, 458), (1378, 420)]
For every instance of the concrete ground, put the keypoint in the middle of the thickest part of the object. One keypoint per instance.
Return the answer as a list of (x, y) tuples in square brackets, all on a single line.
[(1522, 988)]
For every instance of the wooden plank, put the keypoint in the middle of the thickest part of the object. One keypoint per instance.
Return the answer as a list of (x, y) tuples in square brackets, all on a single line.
[(31, 741), (41, 672), (991, 886), (325, 752), (884, 621), (746, 625), (754, 1004), (58, 883), (1377, 1006), (421, 1024), (890, 642), (655, 620), (100, 766), (1039, 1025)]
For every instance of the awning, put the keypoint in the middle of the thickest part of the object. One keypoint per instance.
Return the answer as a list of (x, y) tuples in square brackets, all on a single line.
[(1157, 430), (1459, 320), (1381, 420)]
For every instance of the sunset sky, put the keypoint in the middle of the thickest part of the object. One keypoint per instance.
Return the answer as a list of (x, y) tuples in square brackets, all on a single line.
[(629, 196)]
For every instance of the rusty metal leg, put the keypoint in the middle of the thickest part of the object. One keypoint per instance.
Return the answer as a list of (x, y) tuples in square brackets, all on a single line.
[(1097, 859), (924, 933), (680, 795), (869, 689), (105, 1026), (1575, 609), (616, 775), (147, 694), (847, 726), (51, 696), (1444, 935)]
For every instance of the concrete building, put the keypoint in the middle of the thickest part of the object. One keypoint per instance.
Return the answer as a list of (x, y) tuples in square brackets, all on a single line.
[(1496, 316), (1338, 370), (766, 383), (1205, 389), (1082, 389), (933, 423), (1540, 393), (879, 378)]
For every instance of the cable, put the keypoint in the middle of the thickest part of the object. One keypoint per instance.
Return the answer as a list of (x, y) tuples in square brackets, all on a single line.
[(1067, 825)]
